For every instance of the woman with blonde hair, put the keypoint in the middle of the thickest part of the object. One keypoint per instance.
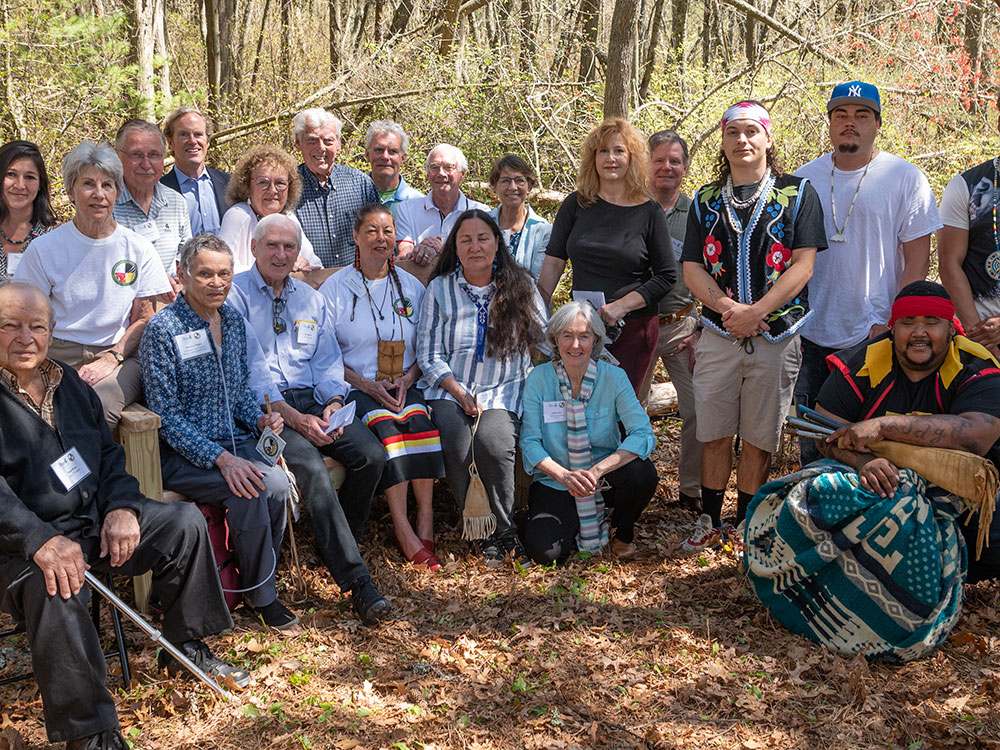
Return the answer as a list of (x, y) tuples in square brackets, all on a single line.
[(264, 182), (616, 236)]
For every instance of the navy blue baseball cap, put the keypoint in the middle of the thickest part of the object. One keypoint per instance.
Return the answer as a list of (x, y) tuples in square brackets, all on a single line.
[(855, 92)]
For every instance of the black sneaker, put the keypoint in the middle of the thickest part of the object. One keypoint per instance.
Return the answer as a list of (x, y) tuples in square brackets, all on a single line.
[(369, 603), (491, 551), (275, 615), (199, 654), (511, 544), (109, 739)]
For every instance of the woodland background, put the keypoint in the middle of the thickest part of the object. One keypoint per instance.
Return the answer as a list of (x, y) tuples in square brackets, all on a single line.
[(671, 651)]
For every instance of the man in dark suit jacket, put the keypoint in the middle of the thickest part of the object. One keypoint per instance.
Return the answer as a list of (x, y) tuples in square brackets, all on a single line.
[(204, 189)]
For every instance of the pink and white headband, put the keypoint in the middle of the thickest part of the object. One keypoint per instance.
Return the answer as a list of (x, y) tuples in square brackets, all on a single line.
[(748, 111)]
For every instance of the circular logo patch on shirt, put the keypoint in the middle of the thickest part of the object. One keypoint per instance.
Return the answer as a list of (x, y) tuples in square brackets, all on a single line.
[(125, 272), (403, 306), (993, 265)]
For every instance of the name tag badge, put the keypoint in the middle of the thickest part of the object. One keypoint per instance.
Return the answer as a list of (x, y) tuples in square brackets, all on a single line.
[(305, 331), (13, 261), (678, 249), (554, 411), (149, 230), (70, 468), (270, 446), (193, 344)]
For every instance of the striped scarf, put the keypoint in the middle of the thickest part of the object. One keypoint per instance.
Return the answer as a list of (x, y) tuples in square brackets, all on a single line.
[(590, 510)]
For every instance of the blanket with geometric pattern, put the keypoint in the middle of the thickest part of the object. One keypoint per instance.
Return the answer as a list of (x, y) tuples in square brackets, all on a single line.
[(854, 571)]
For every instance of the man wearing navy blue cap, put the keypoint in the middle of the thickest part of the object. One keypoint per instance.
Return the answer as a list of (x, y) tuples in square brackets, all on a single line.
[(879, 213)]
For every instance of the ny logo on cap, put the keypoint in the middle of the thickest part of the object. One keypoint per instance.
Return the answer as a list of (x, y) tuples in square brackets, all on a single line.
[(854, 91)]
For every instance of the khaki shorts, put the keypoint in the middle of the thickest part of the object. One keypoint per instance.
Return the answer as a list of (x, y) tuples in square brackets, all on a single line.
[(750, 394)]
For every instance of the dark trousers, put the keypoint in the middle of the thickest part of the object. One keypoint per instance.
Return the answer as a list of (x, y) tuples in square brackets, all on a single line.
[(636, 347), (812, 375), (363, 458), (256, 524), (553, 523), (496, 443), (66, 653)]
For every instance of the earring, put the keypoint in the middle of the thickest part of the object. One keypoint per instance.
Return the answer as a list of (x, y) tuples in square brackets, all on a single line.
[(496, 262), (357, 257), (458, 265)]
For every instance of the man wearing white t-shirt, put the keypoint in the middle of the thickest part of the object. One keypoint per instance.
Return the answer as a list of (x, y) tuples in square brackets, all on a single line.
[(879, 213), (423, 224), (101, 279), (969, 250)]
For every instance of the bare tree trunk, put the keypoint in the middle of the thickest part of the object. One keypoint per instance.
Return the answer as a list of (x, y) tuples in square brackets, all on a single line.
[(619, 81), (529, 29), (286, 40), (334, 37), (212, 56), (450, 26), (226, 10), (590, 11), (750, 38), (11, 113), (260, 45), (706, 33), (401, 17), (141, 15), (162, 49), (649, 62), (377, 25)]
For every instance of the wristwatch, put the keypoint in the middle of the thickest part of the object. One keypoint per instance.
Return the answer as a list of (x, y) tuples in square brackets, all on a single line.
[(119, 357)]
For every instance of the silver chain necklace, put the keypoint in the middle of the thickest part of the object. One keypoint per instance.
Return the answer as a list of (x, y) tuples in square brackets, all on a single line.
[(838, 235)]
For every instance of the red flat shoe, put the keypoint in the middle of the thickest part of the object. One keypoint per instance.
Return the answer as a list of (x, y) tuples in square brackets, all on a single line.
[(428, 544), (425, 557)]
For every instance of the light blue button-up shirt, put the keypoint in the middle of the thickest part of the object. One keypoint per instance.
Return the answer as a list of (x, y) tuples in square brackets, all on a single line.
[(199, 194), (296, 359), (612, 400)]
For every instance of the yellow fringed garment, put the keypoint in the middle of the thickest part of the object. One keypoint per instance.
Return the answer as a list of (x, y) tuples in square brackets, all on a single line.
[(971, 478)]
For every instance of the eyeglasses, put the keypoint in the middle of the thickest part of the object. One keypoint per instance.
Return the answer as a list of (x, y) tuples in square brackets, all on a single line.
[(277, 322), (508, 181), (138, 156), (443, 168), (263, 184)]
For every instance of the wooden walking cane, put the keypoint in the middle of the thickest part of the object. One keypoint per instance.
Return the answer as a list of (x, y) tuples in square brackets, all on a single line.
[(300, 582)]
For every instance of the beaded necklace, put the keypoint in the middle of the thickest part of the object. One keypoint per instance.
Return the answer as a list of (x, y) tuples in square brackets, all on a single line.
[(996, 196), (730, 194), (839, 235), (762, 193)]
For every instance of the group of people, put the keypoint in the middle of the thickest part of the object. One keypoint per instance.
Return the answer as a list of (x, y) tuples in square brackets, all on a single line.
[(249, 310)]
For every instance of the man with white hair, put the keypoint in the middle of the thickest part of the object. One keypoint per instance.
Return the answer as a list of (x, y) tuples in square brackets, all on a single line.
[(294, 326), (385, 149), (423, 224), (145, 205), (332, 194)]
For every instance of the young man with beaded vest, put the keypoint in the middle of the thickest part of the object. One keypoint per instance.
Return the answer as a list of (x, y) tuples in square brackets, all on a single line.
[(879, 212), (751, 242), (969, 249)]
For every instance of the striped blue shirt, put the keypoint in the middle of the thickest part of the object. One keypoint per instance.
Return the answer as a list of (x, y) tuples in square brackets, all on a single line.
[(167, 225), (446, 345)]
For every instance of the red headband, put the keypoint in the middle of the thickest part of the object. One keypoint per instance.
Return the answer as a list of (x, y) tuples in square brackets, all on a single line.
[(916, 307)]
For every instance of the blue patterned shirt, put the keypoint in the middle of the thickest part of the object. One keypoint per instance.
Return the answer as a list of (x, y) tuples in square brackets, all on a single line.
[(199, 194), (446, 345), (327, 212), (205, 402)]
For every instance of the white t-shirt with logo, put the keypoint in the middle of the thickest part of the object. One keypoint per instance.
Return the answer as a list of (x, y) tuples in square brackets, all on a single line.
[(93, 283), (355, 321), (854, 282)]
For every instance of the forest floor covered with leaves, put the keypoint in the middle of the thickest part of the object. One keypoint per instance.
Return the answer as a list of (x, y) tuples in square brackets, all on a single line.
[(669, 651)]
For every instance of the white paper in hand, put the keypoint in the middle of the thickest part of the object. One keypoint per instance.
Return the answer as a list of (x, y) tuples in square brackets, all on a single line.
[(594, 298), (342, 417)]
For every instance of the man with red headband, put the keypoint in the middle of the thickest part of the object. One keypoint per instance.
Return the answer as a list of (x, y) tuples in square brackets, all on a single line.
[(749, 249), (922, 383)]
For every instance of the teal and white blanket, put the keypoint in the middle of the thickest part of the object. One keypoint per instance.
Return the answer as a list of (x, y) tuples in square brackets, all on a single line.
[(854, 571)]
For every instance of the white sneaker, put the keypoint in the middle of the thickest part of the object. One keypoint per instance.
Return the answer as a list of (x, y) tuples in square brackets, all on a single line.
[(704, 536)]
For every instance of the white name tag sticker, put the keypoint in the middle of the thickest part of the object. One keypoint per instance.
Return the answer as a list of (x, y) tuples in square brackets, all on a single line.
[(193, 344), (270, 446), (554, 411), (13, 261), (306, 331), (70, 468), (149, 230), (678, 249)]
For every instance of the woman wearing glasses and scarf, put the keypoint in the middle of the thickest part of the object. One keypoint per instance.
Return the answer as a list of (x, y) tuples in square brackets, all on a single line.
[(376, 308), (572, 445), (264, 182), (478, 322)]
